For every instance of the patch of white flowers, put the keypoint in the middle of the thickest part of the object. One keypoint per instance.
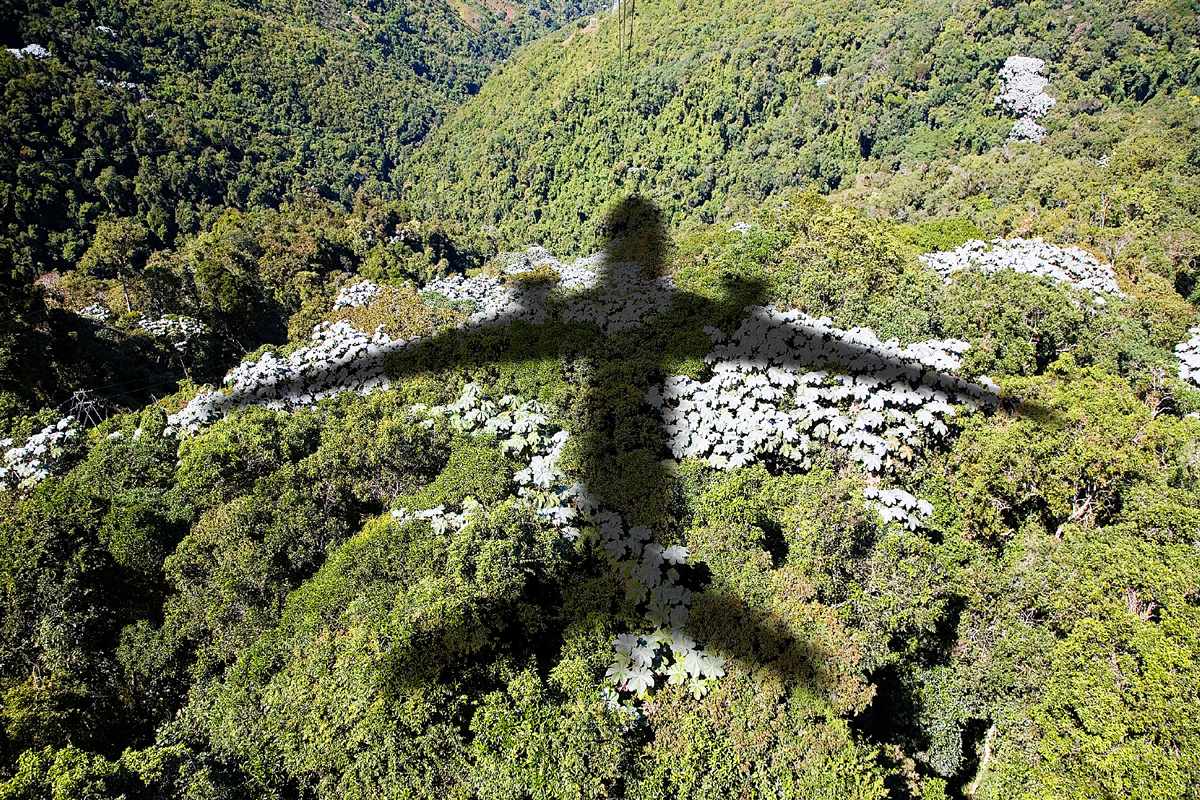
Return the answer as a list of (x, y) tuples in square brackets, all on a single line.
[(625, 299), (1070, 265), (666, 653), (899, 506), (1023, 95), (128, 86), (480, 291), (521, 428), (769, 396), (765, 398), (612, 296), (1188, 354), (178, 330), (440, 519), (97, 312), (356, 296), (342, 358), (34, 460), (32, 50)]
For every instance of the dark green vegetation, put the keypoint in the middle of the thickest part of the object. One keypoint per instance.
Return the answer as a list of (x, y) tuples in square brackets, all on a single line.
[(188, 107), (237, 615), (249, 278)]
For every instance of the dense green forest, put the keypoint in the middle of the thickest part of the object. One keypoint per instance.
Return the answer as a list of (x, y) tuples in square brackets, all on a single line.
[(168, 112), (761, 476), (715, 106)]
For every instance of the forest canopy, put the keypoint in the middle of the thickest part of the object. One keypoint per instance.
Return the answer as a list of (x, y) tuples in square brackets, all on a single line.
[(699, 399)]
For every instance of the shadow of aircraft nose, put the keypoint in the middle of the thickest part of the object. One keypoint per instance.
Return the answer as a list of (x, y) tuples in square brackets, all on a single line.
[(633, 230)]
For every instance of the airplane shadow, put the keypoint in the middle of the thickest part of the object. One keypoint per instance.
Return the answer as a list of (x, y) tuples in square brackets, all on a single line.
[(616, 447)]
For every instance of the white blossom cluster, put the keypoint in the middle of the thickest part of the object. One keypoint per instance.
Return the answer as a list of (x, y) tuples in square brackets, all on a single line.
[(441, 520), (764, 400), (1070, 265), (340, 358), (105, 29), (651, 579), (1023, 95), (128, 86), (1026, 129), (356, 296), (897, 505), (522, 429), (97, 312), (1188, 354), (612, 296), (178, 330), (32, 462), (118, 435), (480, 291), (768, 395), (625, 299), (647, 568), (33, 50)]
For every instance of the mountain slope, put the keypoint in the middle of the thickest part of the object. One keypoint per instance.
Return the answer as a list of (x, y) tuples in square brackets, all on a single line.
[(326, 501), (169, 110), (717, 105), (519, 562)]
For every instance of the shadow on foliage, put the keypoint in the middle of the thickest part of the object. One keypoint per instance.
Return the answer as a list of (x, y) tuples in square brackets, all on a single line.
[(617, 447), (115, 371), (764, 641)]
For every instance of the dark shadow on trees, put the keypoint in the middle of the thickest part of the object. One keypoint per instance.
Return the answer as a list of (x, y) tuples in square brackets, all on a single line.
[(616, 445)]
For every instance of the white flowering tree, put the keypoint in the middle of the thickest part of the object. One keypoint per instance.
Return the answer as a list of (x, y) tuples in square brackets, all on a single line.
[(1023, 95)]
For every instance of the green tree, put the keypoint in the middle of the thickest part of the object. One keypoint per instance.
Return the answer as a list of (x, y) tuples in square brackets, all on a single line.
[(119, 249)]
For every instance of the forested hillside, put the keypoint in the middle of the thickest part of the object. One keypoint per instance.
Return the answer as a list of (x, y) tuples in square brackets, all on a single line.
[(713, 106), (839, 436), (166, 112)]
